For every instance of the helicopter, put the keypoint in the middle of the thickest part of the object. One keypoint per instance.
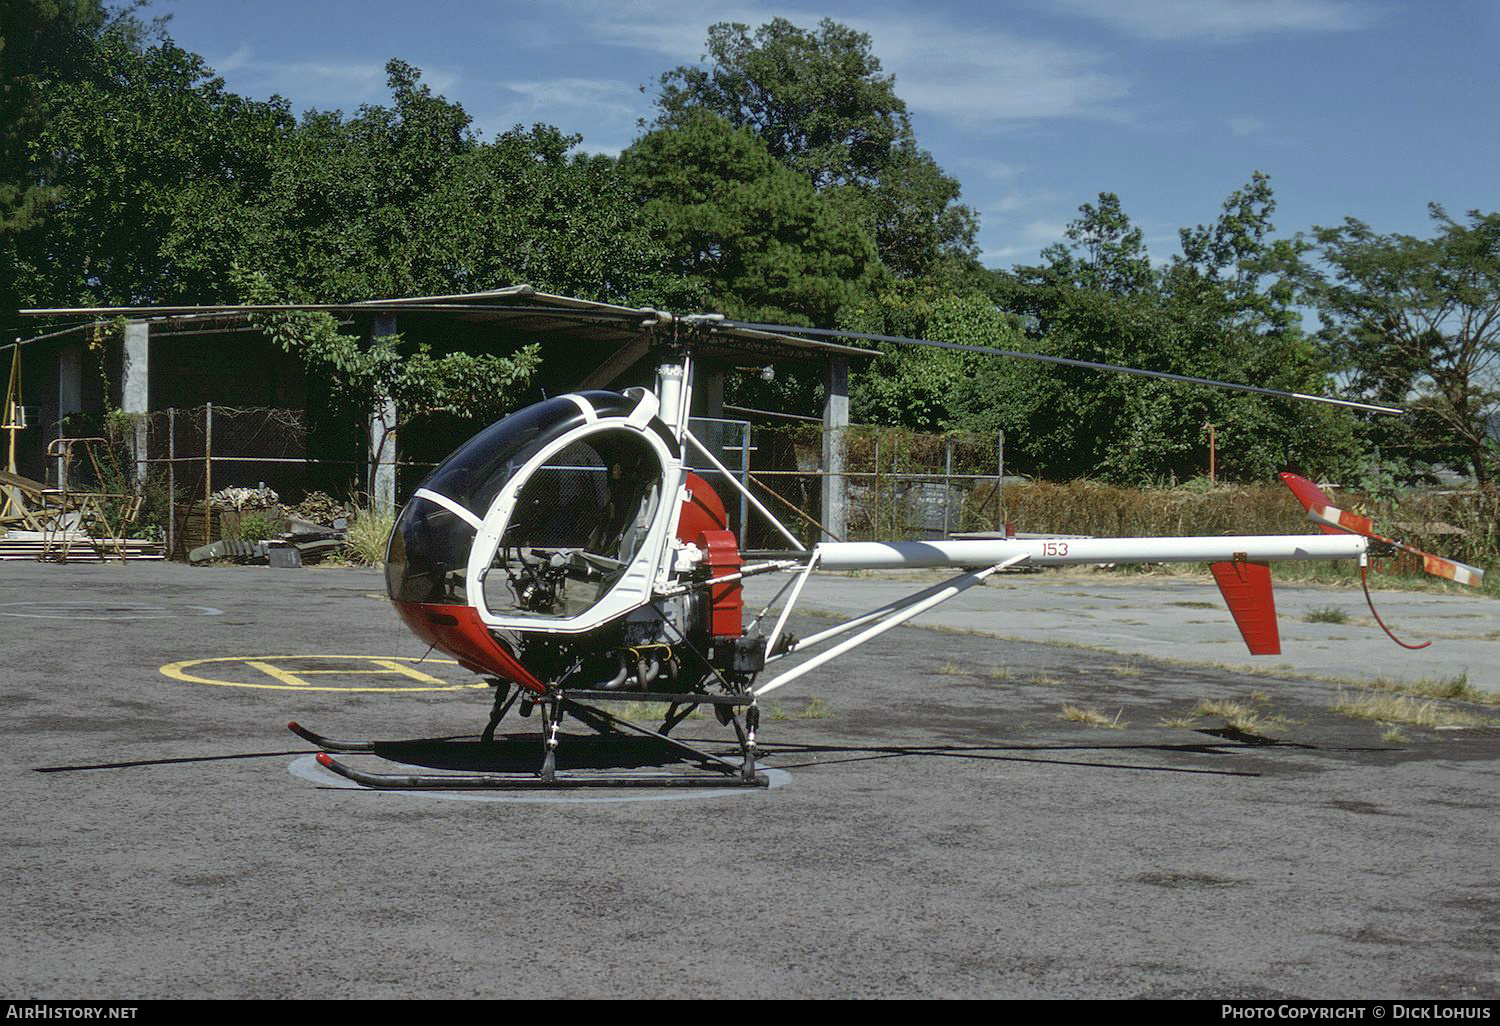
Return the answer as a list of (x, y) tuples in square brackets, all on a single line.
[(570, 555)]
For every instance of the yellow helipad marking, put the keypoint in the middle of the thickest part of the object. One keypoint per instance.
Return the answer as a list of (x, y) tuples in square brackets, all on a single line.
[(289, 673)]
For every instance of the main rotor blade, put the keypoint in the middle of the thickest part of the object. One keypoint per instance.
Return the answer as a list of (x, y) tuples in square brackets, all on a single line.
[(788, 329)]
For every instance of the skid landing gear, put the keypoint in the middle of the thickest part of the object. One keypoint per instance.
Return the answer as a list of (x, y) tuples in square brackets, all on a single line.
[(712, 770)]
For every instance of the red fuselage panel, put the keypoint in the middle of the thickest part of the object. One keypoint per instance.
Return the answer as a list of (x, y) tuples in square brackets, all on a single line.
[(458, 631)]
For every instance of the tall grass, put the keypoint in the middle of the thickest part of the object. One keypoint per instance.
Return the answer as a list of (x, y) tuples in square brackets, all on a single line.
[(369, 534)]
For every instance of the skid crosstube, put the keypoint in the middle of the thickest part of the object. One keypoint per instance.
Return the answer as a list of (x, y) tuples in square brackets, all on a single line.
[(524, 781), (717, 772)]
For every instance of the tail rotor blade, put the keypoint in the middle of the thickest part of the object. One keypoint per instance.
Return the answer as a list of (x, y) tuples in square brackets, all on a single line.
[(1322, 511)]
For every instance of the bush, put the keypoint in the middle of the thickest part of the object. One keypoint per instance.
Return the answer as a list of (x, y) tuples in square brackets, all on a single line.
[(254, 527)]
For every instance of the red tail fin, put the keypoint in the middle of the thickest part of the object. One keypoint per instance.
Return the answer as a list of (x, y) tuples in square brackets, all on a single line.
[(1246, 588)]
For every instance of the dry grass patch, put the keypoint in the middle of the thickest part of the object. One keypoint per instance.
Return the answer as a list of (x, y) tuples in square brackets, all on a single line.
[(1388, 708), (1456, 688), (368, 536), (815, 709), (1092, 717), (1325, 614), (648, 712), (1239, 715)]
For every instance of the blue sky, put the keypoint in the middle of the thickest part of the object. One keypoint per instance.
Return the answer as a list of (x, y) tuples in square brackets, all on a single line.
[(1364, 108)]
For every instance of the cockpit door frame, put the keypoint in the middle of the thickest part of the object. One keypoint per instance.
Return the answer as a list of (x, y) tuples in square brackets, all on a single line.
[(634, 587)]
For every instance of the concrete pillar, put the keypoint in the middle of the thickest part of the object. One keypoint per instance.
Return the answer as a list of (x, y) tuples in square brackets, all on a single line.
[(709, 389), (135, 388), (382, 476), (835, 419), (69, 383), (708, 400), (69, 396)]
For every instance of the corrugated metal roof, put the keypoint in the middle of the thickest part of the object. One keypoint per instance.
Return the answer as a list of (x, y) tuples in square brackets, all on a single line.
[(517, 310)]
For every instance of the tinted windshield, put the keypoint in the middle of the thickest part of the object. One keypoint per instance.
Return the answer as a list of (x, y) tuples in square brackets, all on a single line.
[(428, 554), (577, 523)]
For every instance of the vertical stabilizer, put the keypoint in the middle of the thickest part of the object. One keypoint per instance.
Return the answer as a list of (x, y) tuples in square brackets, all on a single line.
[(1246, 588)]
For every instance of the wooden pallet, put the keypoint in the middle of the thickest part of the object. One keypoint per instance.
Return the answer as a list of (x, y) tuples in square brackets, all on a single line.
[(81, 549)]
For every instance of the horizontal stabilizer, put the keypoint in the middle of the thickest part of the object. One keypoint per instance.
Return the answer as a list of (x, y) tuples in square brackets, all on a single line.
[(1246, 588)]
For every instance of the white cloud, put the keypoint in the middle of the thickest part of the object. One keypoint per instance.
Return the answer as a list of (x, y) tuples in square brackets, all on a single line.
[(982, 77), (1222, 20), (1246, 126), (675, 29), (1019, 201), (948, 68), (604, 111), (344, 85), (1025, 240)]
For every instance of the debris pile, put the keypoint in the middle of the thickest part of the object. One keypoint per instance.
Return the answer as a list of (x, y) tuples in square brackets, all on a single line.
[(307, 532), (69, 524)]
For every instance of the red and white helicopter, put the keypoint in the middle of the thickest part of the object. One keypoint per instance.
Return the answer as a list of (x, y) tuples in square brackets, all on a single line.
[(569, 554)]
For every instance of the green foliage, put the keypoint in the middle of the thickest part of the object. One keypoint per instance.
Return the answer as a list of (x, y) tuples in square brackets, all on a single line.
[(254, 527), (921, 387), (163, 172), (364, 373), (821, 105), (1418, 320), (1104, 251), (405, 200), (43, 44), (756, 238), (1217, 312), (171, 182), (39, 42)]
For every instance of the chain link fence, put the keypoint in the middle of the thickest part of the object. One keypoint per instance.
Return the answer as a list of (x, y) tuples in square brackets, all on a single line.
[(184, 456), (896, 483)]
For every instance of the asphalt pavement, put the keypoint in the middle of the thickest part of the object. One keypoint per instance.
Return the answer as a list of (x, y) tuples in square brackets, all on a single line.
[(938, 827)]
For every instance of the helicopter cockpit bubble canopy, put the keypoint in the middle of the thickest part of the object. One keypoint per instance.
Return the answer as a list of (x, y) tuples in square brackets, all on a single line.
[(551, 519)]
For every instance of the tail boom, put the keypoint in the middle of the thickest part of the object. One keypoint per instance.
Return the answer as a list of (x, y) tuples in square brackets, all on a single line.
[(1268, 548)]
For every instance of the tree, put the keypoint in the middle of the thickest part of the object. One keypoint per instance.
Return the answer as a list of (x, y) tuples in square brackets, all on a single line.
[(38, 44), (160, 177), (405, 200), (755, 237), (920, 387), (1105, 251), (42, 44), (1213, 313), (823, 108), (1418, 320)]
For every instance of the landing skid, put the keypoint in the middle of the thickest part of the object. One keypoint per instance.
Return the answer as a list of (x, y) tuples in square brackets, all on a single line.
[(713, 771)]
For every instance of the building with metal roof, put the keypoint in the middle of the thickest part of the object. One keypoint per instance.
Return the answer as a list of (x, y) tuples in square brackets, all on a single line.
[(186, 356)]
